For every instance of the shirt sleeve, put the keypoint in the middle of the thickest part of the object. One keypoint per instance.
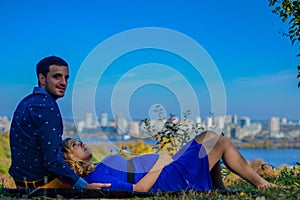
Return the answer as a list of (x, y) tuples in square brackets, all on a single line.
[(50, 139), (80, 184), (105, 173), (116, 183)]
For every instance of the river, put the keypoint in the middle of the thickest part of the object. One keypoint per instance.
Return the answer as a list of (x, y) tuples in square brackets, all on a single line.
[(274, 157)]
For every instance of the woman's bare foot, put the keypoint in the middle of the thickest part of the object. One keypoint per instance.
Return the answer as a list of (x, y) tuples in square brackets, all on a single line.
[(265, 185)]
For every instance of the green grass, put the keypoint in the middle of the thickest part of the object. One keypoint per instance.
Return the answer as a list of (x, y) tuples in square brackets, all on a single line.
[(287, 179)]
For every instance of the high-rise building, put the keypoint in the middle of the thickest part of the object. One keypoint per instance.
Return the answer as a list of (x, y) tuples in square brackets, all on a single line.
[(80, 125), (245, 121), (4, 124), (235, 119), (209, 123), (89, 120), (134, 128), (228, 119), (103, 119), (219, 122), (274, 125), (198, 120), (122, 124), (283, 121)]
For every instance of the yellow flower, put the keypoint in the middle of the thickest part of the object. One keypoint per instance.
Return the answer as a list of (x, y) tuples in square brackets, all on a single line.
[(242, 194), (260, 198)]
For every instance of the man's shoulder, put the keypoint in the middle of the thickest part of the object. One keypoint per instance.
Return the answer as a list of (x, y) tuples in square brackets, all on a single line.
[(36, 97), (37, 100)]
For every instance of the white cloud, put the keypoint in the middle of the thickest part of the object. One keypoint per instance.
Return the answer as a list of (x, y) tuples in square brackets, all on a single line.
[(267, 79)]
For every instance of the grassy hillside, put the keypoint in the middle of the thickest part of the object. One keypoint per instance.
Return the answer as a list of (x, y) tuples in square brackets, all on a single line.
[(287, 178), (6, 180)]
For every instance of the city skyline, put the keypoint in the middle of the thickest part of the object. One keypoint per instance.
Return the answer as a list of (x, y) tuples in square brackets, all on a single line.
[(194, 119), (242, 117), (257, 65), (231, 126)]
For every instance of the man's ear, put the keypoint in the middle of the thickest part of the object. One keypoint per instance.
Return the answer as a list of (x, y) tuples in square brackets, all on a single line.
[(42, 80)]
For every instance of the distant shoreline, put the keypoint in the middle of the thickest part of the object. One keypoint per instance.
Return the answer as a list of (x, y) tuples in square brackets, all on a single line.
[(270, 143), (247, 143)]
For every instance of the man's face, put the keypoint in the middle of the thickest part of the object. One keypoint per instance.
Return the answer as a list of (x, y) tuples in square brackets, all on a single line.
[(56, 81)]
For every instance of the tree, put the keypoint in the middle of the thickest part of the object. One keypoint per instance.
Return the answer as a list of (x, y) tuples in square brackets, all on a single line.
[(289, 10)]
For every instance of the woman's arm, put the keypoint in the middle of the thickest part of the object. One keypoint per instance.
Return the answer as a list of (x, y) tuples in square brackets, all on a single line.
[(145, 184)]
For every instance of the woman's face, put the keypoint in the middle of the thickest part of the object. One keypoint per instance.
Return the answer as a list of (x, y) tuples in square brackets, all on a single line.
[(80, 150)]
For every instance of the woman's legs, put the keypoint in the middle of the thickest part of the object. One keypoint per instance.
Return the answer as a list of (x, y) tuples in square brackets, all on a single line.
[(216, 177), (220, 147)]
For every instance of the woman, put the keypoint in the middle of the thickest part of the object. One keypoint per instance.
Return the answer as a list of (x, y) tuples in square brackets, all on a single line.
[(188, 169)]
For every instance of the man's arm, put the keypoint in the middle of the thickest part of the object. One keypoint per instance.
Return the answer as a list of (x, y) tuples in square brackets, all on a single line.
[(50, 141), (146, 183), (50, 137)]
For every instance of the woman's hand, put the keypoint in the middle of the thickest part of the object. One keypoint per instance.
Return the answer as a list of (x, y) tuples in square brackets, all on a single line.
[(97, 185), (145, 184)]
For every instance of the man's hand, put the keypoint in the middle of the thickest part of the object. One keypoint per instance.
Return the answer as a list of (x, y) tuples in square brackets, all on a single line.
[(97, 185)]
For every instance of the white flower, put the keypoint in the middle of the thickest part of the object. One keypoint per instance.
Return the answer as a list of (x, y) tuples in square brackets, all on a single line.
[(174, 120)]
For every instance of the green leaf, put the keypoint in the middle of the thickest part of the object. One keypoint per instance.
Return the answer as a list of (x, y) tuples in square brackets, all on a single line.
[(284, 18), (299, 84), (291, 31), (276, 9), (294, 24)]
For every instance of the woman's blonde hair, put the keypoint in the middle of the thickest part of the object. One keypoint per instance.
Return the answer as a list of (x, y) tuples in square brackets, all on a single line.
[(80, 167)]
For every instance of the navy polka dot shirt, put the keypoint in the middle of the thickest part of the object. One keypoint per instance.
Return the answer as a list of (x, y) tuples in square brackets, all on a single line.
[(36, 141)]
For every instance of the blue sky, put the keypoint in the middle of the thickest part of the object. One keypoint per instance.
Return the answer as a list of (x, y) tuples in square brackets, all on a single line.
[(257, 65)]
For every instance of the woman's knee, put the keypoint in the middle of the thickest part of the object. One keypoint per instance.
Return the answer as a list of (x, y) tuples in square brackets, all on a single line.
[(206, 135)]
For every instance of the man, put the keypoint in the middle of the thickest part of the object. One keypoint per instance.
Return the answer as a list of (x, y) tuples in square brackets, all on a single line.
[(36, 133)]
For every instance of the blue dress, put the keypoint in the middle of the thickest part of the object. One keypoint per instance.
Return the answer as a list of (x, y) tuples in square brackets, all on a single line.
[(189, 170)]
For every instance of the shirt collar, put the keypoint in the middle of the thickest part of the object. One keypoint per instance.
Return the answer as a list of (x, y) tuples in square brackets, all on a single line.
[(40, 90)]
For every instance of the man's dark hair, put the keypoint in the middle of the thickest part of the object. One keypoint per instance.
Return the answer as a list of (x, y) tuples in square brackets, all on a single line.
[(43, 65)]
